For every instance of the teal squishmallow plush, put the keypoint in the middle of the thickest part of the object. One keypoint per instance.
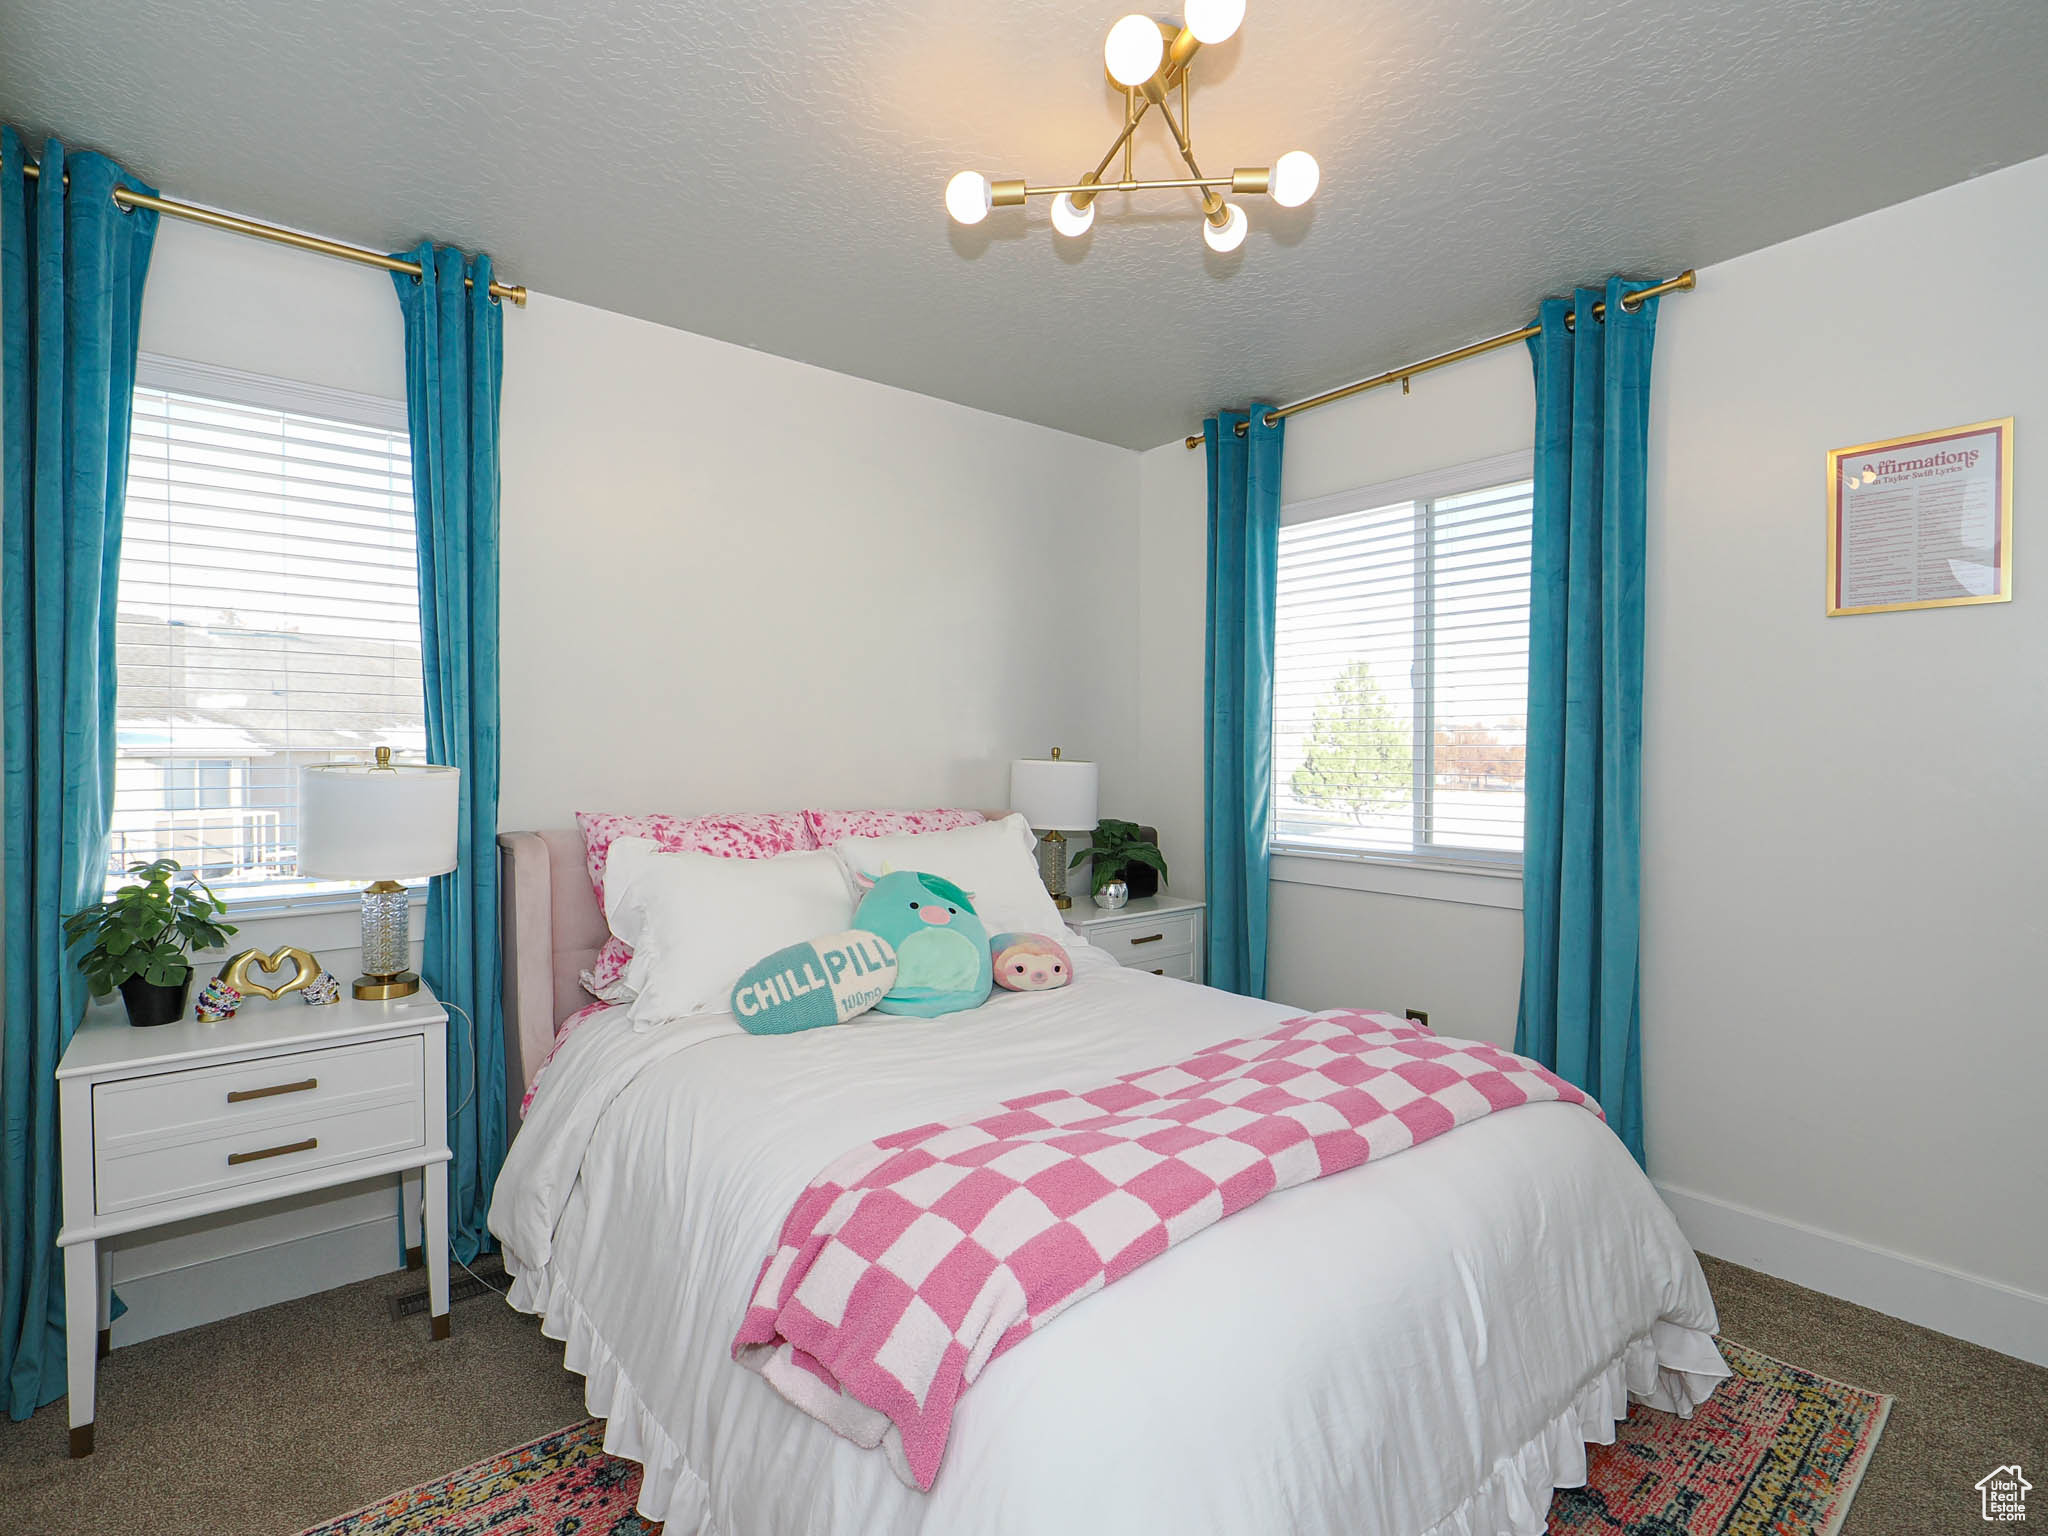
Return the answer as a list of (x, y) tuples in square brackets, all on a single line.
[(942, 954)]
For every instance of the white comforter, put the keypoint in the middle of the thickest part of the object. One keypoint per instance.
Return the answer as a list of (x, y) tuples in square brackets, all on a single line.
[(1419, 1347)]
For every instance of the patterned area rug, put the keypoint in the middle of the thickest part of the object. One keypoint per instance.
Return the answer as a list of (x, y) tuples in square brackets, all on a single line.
[(561, 1484), (1776, 1451)]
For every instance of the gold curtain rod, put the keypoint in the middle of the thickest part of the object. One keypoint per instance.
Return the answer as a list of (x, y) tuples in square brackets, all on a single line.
[(1684, 282), (234, 224)]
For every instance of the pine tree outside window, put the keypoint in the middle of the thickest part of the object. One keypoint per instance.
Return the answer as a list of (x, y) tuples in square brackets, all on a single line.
[(1401, 673)]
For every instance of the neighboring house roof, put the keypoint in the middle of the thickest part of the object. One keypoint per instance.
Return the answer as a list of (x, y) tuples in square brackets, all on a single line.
[(225, 689), (185, 736)]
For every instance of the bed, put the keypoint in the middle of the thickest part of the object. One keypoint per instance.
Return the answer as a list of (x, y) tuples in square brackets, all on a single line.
[(1420, 1347)]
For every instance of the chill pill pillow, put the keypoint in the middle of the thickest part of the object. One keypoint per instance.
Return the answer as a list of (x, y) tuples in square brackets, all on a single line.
[(942, 956), (1030, 962), (818, 982)]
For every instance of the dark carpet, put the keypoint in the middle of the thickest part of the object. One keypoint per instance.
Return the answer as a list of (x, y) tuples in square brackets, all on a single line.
[(270, 1422)]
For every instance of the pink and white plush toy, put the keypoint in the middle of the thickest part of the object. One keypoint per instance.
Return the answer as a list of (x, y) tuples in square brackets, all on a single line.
[(1030, 962)]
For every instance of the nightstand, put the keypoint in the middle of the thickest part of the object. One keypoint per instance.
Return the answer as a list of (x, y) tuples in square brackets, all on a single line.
[(1160, 934), (191, 1119)]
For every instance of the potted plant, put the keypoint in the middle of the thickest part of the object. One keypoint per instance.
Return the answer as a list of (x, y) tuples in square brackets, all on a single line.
[(1118, 848), (139, 939)]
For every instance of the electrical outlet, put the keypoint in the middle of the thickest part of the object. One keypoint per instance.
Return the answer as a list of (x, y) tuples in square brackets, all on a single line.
[(1420, 1016)]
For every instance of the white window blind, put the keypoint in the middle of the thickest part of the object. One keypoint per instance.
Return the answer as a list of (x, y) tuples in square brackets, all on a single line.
[(1401, 679), (268, 616)]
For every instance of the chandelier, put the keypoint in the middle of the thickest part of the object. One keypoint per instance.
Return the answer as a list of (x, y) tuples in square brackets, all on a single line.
[(1149, 61)]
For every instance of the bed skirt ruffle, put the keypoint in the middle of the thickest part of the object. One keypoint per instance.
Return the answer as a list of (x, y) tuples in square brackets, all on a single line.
[(670, 1489), (1670, 1368)]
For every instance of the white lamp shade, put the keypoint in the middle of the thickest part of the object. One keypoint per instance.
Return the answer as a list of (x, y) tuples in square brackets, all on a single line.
[(1053, 794), (357, 822)]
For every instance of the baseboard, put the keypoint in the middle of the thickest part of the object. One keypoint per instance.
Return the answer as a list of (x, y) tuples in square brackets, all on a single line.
[(1987, 1312), (186, 1295)]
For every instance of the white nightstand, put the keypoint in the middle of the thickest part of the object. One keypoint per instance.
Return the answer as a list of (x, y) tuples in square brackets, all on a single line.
[(1160, 934), (190, 1119)]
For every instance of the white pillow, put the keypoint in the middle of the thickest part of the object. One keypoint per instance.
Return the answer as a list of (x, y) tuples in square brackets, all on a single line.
[(996, 864), (696, 920)]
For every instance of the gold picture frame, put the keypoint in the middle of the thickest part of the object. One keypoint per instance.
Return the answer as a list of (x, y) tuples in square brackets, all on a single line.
[(1893, 475)]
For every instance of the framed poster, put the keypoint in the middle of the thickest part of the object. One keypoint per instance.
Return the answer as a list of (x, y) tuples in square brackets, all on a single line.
[(1922, 521)]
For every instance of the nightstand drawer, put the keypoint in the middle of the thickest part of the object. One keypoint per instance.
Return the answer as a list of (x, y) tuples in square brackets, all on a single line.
[(1181, 966), (1143, 941), (183, 1134), (171, 1106)]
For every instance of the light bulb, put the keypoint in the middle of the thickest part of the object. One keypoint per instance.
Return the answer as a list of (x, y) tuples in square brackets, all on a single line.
[(1295, 178), (967, 197), (1068, 219), (1231, 235), (1214, 21), (1133, 50)]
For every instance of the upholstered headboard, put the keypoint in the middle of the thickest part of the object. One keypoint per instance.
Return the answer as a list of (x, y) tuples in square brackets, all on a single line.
[(553, 930)]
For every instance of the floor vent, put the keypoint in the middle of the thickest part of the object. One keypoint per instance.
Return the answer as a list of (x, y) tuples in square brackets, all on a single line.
[(462, 1286)]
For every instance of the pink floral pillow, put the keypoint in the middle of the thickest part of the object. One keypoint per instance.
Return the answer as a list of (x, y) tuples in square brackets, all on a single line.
[(827, 827), (745, 835)]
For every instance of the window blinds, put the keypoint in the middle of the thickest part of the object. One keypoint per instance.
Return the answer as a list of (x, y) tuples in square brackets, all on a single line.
[(1401, 678), (268, 618)]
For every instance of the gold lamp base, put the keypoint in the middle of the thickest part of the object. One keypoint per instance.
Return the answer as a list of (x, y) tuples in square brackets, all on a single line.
[(377, 989)]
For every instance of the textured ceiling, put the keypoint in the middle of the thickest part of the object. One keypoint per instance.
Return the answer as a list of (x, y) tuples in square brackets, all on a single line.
[(771, 173)]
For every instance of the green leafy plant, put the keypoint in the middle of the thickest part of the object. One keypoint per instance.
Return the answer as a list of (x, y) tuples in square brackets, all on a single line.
[(146, 929), (1117, 845)]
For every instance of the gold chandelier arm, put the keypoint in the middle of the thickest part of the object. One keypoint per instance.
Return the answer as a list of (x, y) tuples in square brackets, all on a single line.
[(1134, 113), (1157, 185), (1130, 124), (1212, 202)]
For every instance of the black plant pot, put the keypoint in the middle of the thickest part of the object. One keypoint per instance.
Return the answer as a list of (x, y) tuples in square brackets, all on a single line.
[(1143, 879), (150, 1004)]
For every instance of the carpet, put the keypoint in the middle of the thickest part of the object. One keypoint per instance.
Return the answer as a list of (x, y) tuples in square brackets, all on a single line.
[(1776, 1451)]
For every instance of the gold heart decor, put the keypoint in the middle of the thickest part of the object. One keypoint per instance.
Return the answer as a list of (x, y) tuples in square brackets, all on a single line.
[(237, 972)]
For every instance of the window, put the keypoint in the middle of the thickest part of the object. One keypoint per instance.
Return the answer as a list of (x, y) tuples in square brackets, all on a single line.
[(1401, 670), (268, 616), (200, 784)]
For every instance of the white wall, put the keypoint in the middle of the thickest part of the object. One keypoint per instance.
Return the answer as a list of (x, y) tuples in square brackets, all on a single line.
[(1845, 891), (1329, 946), (732, 582), (1845, 852), (729, 581)]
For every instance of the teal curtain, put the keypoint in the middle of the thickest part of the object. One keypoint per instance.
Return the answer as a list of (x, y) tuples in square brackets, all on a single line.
[(1581, 1001), (1244, 554), (454, 357), (71, 271)]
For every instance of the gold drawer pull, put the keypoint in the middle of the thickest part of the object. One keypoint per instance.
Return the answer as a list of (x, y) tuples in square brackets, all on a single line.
[(291, 1146), (241, 1095), (1158, 970), (1150, 938)]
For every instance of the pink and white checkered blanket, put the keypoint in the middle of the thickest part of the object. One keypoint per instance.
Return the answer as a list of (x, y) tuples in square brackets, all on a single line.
[(914, 1260)]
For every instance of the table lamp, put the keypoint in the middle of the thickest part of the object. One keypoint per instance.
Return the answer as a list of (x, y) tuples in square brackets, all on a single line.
[(382, 823), (1055, 795)]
